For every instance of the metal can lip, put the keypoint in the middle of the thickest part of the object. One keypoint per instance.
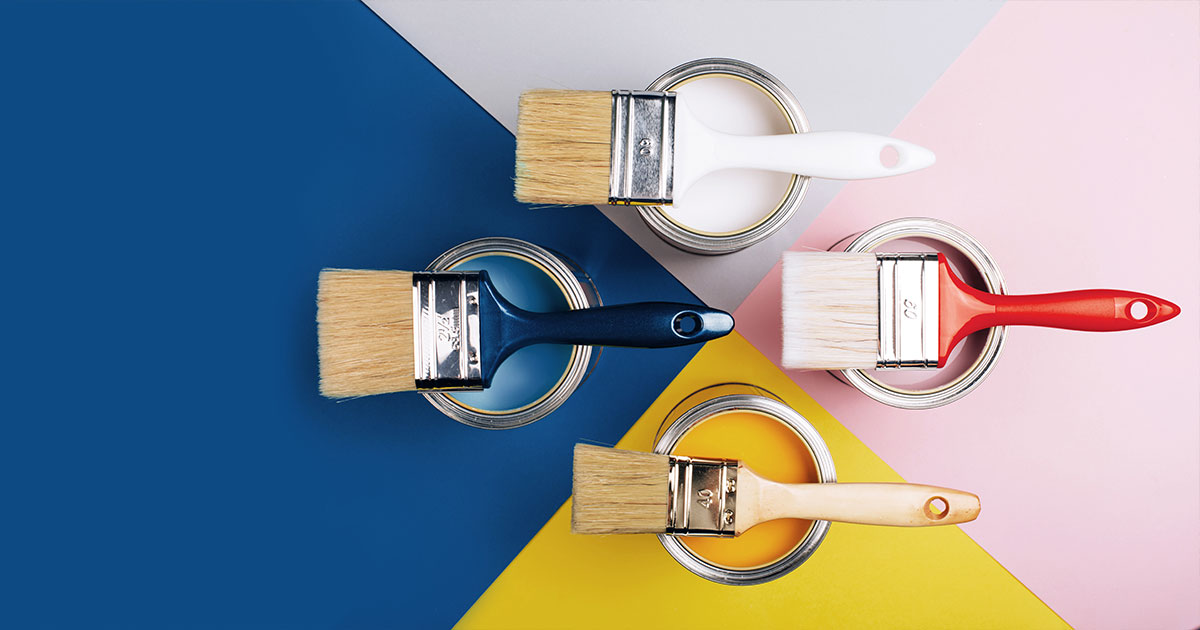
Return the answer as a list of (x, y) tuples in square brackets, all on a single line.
[(698, 242), (764, 402), (956, 238), (575, 284)]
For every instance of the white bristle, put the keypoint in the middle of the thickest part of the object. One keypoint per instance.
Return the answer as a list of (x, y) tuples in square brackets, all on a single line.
[(830, 311)]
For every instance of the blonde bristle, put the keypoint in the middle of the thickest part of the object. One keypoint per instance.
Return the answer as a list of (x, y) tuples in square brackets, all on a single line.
[(619, 492), (365, 332), (564, 147), (830, 311)]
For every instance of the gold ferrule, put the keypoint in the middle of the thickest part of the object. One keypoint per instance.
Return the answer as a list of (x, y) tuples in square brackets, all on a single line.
[(702, 497)]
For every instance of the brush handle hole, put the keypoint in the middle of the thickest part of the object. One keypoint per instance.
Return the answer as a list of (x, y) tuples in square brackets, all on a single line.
[(687, 324), (1139, 310), (889, 156), (936, 508)]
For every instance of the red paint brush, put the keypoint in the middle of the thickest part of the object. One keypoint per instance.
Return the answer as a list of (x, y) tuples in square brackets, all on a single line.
[(846, 311)]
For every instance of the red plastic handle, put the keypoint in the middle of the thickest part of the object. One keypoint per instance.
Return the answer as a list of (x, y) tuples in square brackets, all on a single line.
[(963, 310)]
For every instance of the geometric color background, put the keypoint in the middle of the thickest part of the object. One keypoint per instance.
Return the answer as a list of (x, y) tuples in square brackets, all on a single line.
[(1068, 143), (173, 176)]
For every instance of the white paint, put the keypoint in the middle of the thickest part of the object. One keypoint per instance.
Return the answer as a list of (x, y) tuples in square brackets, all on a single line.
[(736, 199)]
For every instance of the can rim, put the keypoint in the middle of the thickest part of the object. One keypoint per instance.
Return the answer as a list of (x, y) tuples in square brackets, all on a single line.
[(825, 473), (712, 244), (581, 356), (959, 240)]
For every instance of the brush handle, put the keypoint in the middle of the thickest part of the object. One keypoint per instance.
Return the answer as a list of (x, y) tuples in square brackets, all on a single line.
[(964, 309), (826, 154), (641, 325), (1097, 310), (700, 149), (506, 328), (897, 504)]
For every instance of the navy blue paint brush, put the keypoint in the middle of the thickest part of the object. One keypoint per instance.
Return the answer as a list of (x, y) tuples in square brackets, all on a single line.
[(390, 331)]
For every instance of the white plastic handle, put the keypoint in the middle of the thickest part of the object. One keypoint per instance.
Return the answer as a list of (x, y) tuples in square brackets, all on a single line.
[(826, 154), (700, 150)]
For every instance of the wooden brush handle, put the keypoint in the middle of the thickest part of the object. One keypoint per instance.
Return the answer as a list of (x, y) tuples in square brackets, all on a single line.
[(899, 504)]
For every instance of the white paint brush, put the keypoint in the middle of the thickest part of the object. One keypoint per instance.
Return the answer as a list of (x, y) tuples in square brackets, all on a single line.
[(863, 311), (626, 492), (647, 148)]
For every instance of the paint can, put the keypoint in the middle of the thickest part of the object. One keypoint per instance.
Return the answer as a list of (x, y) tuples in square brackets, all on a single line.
[(731, 210), (535, 380), (974, 360), (745, 422)]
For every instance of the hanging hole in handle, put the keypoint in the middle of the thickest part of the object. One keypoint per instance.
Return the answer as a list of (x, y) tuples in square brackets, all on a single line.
[(889, 156), (1138, 310), (936, 508), (687, 324)]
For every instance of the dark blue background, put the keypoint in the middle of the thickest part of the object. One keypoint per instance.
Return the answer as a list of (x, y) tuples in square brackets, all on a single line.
[(172, 178)]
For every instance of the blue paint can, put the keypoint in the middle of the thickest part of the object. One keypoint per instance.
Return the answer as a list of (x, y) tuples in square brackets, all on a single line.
[(535, 380)]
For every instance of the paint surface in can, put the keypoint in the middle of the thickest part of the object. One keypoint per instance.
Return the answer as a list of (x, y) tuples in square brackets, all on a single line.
[(732, 200), (531, 372), (771, 449)]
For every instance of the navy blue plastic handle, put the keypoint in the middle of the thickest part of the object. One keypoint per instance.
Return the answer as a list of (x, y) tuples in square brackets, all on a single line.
[(506, 328), (640, 325)]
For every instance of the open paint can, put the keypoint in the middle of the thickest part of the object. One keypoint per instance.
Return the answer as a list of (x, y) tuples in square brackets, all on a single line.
[(748, 423), (975, 358), (537, 379), (733, 209)]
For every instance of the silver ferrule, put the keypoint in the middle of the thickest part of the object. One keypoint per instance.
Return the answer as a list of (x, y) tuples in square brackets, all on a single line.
[(908, 310), (702, 497), (643, 144), (446, 330)]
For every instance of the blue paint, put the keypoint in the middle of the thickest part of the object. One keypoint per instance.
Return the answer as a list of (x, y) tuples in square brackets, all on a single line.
[(531, 372), (173, 177)]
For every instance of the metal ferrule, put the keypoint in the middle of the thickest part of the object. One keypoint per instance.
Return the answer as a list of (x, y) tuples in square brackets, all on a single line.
[(643, 144), (702, 497), (446, 330), (908, 310)]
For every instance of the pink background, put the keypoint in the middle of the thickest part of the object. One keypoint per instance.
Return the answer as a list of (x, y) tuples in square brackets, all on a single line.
[(1068, 143)]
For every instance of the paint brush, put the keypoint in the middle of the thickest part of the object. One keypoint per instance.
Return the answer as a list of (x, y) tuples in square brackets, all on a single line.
[(847, 311), (647, 148), (390, 331), (626, 492)]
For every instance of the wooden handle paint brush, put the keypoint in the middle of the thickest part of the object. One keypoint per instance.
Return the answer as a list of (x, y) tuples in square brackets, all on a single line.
[(647, 148), (390, 331), (626, 492), (863, 311)]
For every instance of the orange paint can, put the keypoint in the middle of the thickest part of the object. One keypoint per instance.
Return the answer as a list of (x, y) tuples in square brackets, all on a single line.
[(750, 424)]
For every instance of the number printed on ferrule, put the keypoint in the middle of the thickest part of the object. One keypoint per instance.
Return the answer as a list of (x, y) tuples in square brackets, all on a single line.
[(447, 328)]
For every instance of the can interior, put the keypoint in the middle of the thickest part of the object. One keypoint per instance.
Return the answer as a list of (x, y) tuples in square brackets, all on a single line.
[(769, 447), (531, 373), (730, 202)]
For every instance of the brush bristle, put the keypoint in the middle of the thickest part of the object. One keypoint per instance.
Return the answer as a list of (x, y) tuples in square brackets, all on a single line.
[(564, 147), (619, 492), (365, 332), (830, 311)]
